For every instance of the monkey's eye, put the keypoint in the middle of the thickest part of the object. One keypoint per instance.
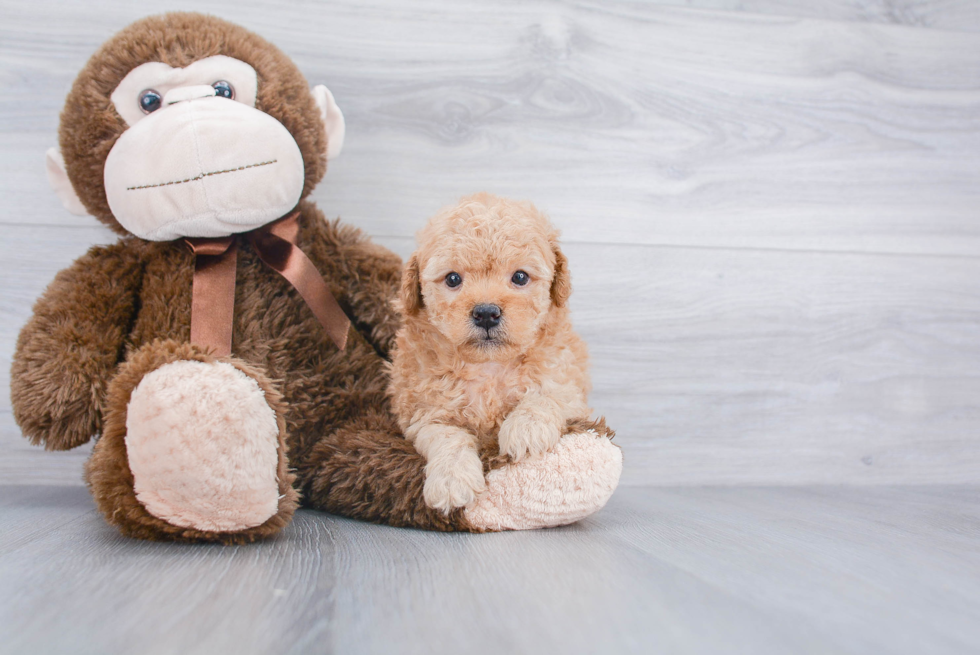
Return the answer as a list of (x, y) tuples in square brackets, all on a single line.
[(150, 101), (224, 90), (520, 278), (453, 280)]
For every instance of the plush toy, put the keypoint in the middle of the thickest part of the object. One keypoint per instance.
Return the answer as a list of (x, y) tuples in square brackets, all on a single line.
[(229, 350)]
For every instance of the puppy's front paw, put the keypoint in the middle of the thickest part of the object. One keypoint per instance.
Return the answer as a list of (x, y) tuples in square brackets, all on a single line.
[(453, 482), (524, 433)]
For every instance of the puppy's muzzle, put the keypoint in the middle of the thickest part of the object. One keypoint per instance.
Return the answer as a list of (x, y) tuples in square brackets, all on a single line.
[(486, 316)]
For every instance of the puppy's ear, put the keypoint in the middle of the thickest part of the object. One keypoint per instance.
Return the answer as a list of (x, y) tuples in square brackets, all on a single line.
[(412, 287), (561, 284)]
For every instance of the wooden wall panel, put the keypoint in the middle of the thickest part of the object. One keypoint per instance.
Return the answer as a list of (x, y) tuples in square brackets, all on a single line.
[(772, 217)]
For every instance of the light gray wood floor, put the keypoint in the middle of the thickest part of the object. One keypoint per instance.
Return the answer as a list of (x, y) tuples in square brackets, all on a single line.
[(660, 570)]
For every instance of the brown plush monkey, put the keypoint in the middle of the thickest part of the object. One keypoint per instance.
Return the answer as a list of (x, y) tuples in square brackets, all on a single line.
[(184, 125)]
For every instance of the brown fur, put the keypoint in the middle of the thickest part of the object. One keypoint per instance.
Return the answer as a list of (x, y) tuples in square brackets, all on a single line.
[(123, 310), (68, 351), (411, 293), (90, 124), (107, 471), (453, 388)]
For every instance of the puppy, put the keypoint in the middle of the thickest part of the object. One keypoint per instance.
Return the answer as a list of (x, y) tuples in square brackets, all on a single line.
[(486, 350)]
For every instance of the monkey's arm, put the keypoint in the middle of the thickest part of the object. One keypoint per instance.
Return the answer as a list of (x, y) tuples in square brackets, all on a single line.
[(371, 285), (69, 348), (364, 275)]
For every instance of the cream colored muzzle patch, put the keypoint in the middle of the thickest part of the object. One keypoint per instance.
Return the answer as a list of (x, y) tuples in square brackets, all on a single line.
[(204, 167)]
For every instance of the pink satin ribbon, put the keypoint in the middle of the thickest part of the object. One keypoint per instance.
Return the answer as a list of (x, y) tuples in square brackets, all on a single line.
[(213, 294)]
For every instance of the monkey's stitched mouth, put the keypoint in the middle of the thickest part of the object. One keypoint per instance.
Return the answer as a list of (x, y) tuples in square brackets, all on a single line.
[(201, 176)]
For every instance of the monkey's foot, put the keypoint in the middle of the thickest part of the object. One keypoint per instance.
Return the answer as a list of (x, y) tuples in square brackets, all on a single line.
[(564, 485), (202, 444), (193, 449)]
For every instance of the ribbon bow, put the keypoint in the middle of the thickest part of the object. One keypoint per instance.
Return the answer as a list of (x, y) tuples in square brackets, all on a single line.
[(213, 295)]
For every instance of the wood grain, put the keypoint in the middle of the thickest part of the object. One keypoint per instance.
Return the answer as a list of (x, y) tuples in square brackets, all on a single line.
[(628, 122), (696, 570), (109, 594), (957, 15), (724, 366), (771, 210), (740, 366)]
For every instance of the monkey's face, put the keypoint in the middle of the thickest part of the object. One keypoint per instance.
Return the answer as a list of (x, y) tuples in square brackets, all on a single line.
[(206, 131), (198, 159)]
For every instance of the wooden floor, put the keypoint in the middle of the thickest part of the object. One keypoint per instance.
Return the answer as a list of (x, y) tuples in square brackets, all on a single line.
[(660, 570)]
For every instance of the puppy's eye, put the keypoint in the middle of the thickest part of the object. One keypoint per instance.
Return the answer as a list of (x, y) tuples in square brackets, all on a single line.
[(453, 280), (224, 90), (520, 278), (150, 101)]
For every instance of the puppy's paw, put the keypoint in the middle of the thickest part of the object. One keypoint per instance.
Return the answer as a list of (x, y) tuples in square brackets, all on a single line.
[(526, 433), (453, 482)]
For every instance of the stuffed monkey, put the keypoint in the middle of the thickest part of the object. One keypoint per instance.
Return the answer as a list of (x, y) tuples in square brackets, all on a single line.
[(228, 351)]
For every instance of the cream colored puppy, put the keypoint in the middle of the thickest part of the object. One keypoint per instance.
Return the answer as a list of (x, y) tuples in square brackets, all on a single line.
[(486, 351)]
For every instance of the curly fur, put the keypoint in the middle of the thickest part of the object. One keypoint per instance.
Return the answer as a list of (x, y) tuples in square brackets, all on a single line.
[(115, 302), (456, 386)]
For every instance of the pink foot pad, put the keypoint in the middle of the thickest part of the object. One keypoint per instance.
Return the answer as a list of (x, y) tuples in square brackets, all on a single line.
[(202, 446)]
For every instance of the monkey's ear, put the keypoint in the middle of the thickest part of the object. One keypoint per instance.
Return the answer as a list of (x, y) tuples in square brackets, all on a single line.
[(561, 283), (332, 119), (411, 296), (58, 179)]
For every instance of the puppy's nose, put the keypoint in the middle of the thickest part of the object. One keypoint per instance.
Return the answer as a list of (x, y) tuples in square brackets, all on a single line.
[(486, 316)]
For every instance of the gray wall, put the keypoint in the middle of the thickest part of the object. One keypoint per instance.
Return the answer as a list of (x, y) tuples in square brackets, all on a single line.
[(772, 210)]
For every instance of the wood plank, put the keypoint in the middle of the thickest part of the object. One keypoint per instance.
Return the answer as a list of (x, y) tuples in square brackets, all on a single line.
[(28, 512), (692, 570), (109, 594), (768, 367), (715, 365), (872, 570), (27, 465), (783, 368), (575, 589), (628, 122), (725, 366), (956, 15)]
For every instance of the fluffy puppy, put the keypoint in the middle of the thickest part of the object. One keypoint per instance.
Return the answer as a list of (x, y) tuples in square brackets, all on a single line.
[(486, 350)]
